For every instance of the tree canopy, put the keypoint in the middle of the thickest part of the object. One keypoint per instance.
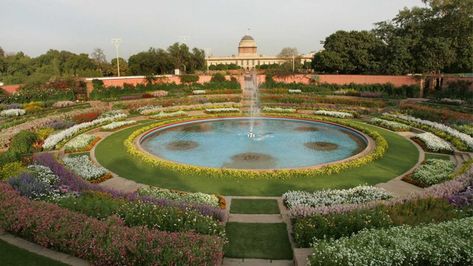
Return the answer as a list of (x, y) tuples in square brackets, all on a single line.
[(435, 38)]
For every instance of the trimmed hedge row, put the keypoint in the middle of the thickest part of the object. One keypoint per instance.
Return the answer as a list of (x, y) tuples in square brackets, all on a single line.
[(102, 242)]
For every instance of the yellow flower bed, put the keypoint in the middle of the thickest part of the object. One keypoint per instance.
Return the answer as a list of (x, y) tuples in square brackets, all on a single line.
[(378, 152)]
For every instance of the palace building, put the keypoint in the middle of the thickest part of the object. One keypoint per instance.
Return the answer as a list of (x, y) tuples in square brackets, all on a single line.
[(248, 57)]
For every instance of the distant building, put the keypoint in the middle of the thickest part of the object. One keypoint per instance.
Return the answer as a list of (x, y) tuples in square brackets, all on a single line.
[(248, 57)]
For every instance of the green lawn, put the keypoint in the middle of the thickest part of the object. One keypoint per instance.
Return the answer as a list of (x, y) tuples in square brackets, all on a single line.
[(254, 206), (12, 255), (259, 241), (437, 156), (400, 157)]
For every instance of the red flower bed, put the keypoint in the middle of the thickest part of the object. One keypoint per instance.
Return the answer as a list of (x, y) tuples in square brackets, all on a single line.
[(85, 117), (102, 242)]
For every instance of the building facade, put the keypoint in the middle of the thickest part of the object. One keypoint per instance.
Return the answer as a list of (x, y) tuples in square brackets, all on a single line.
[(248, 57)]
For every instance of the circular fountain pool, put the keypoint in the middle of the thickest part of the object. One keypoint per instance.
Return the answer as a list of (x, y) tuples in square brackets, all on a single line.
[(278, 143)]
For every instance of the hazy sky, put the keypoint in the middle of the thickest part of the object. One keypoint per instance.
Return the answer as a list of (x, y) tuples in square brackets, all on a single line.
[(34, 26)]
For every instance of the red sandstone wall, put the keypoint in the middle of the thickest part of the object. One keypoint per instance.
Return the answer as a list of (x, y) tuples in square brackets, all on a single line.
[(347, 79)]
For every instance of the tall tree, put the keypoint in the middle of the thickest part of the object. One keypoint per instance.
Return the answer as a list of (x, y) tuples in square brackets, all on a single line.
[(288, 52)]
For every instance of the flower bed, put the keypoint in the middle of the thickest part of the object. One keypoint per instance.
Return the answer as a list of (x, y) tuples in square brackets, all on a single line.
[(433, 143), (12, 112), (447, 243), (431, 172), (118, 125), (278, 110), (196, 92), (356, 195), (84, 167), (69, 179), (138, 213), (161, 193), (170, 114), (295, 91), (102, 242), (81, 143), (52, 141), (85, 117), (149, 109), (465, 138), (395, 126), (333, 114), (378, 152), (222, 110)]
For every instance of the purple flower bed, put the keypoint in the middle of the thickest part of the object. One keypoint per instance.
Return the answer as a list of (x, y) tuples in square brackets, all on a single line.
[(60, 124), (464, 198), (75, 183)]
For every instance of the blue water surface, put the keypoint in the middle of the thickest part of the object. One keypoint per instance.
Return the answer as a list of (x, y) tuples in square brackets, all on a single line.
[(279, 143)]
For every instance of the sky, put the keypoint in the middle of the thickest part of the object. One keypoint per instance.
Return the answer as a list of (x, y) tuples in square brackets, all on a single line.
[(35, 26)]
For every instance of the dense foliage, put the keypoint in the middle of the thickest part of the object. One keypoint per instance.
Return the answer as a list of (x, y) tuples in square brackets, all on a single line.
[(430, 39)]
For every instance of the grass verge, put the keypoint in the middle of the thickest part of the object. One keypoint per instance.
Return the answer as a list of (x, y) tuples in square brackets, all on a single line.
[(11, 256), (254, 206)]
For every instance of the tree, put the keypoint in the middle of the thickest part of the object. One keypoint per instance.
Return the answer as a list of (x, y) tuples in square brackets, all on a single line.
[(2, 52), (288, 52), (123, 67), (351, 52), (98, 56)]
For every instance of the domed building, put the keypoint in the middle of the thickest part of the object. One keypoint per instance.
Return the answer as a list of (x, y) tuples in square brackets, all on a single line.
[(248, 57)]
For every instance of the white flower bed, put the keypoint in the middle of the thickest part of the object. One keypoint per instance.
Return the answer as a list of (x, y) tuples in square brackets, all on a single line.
[(222, 110), (53, 140), (390, 124), (118, 124), (444, 128), (278, 110), (161, 193), (170, 114), (434, 143), (295, 91), (84, 167), (79, 142), (13, 112), (333, 114), (356, 195), (198, 92), (150, 109), (112, 113)]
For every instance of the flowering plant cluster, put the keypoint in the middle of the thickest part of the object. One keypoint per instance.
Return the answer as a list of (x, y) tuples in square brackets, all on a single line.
[(392, 125), (84, 167), (52, 141), (278, 110), (13, 112), (118, 124), (402, 245), (62, 104), (38, 182), (68, 178), (434, 143), (85, 117), (432, 172), (378, 152), (467, 139), (106, 242), (161, 193), (334, 114), (199, 91), (356, 195), (170, 114), (222, 110), (150, 109), (112, 113), (294, 91), (80, 143)]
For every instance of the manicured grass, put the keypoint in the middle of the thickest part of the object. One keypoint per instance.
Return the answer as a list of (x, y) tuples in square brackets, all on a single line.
[(439, 156), (260, 241), (12, 255), (399, 158), (254, 206)]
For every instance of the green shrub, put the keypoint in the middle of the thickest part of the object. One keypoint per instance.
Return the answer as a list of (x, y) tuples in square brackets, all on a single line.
[(11, 169), (218, 77), (448, 243), (189, 78), (337, 225), (102, 205), (22, 142)]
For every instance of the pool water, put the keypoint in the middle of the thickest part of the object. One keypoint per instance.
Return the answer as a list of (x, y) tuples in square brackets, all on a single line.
[(279, 143)]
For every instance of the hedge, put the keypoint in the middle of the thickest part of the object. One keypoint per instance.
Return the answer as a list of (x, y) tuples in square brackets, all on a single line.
[(102, 242)]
